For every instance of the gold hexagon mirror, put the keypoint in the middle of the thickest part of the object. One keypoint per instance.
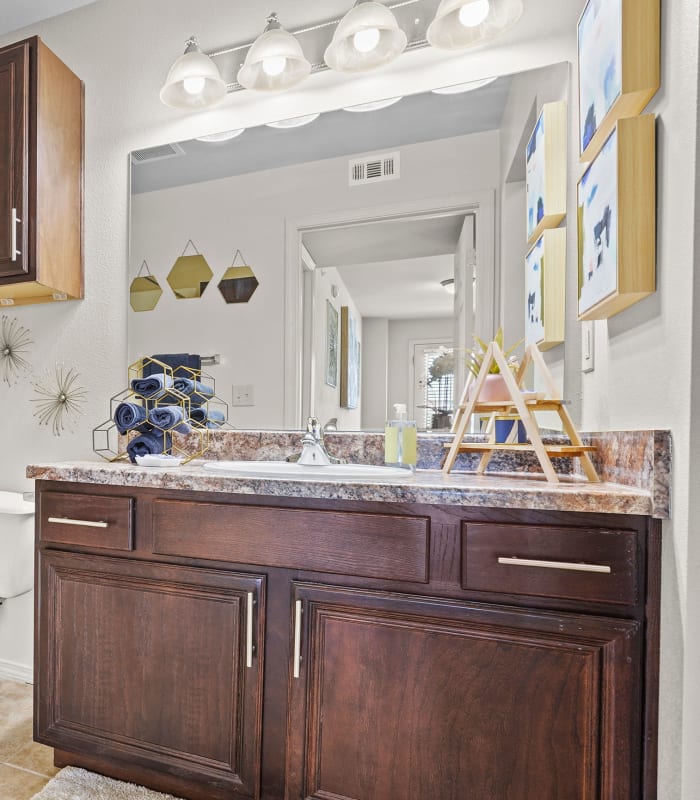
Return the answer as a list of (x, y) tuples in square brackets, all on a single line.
[(145, 291), (190, 275), (238, 283)]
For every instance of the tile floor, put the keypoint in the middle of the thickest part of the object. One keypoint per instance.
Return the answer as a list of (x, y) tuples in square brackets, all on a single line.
[(25, 767)]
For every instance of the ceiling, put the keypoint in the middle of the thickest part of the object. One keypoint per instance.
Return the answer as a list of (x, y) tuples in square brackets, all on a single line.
[(17, 14)]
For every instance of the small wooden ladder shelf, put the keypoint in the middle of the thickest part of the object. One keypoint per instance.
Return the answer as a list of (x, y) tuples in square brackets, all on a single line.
[(522, 406)]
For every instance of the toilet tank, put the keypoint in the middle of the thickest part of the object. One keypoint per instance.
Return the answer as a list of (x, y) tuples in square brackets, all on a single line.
[(16, 544)]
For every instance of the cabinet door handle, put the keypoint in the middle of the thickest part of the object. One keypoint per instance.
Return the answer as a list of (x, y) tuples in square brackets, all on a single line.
[(84, 523), (297, 638), (13, 234), (573, 566), (249, 631)]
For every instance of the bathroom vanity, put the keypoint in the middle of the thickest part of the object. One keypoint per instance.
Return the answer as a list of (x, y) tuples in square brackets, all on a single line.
[(217, 637)]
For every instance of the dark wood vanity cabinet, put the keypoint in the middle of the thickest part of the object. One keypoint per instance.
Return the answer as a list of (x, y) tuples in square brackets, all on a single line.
[(41, 176), (222, 646)]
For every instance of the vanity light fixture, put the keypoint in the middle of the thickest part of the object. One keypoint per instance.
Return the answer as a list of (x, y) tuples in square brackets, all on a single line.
[(469, 86), (294, 122), (275, 60), (193, 80), (468, 23), (368, 36), (375, 105), (223, 136)]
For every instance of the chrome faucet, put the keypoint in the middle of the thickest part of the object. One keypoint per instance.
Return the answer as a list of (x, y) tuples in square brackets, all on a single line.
[(313, 450)]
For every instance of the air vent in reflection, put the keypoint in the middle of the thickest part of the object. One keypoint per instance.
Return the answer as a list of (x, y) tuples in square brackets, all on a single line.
[(149, 154), (385, 167)]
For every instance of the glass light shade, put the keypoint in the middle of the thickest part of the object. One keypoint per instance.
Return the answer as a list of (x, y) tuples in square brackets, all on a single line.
[(193, 81), (448, 32), (349, 49), (274, 61)]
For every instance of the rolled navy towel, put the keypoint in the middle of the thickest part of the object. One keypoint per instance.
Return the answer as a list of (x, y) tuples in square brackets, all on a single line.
[(198, 392), (169, 418), (129, 416), (211, 418), (152, 386), (150, 443)]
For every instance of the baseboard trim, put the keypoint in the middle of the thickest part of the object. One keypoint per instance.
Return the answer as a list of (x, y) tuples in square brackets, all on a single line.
[(12, 671)]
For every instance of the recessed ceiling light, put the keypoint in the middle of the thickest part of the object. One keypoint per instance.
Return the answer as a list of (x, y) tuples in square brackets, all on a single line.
[(294, 122), (375, 105), (224, 136), (469, 86)]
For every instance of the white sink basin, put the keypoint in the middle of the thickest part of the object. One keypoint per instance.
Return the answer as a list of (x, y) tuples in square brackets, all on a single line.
[(286, 469)]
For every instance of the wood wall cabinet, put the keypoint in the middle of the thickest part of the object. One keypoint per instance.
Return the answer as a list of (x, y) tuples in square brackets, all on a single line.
[(419, 651), (41, 176)]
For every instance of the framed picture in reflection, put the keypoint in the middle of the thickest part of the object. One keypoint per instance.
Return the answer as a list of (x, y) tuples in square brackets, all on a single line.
[(331, 344), (349, 360)]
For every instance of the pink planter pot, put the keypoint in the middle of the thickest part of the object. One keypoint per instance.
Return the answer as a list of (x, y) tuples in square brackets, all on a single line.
[(494, 389)]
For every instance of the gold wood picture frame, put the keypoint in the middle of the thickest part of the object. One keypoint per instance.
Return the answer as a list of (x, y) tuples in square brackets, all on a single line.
[(619, 66), (617, 221), (545, 267), (545, 159)]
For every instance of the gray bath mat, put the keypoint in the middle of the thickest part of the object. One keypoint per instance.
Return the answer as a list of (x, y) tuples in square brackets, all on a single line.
[(72, 783)]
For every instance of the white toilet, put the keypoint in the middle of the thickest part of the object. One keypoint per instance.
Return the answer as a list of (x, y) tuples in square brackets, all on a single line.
[(16, 544)]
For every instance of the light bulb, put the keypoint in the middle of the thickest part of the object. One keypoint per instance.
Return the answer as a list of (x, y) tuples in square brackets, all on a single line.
[(274, 65), (366, 40), (193, 85), (473, 14)]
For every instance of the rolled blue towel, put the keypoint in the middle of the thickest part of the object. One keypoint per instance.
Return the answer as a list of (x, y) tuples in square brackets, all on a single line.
[(148, 444), (198, 392), (152, 386), (169, 418), (128, 416), (209, 417)]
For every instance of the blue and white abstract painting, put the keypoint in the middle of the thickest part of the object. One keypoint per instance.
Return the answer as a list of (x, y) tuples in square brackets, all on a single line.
[(598, 226), (599, 63), (534, 285), (534, 177)]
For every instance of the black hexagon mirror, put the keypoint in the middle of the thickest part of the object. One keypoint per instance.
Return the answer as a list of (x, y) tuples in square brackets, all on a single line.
[(239, 282), (190, 275), (145, 291)]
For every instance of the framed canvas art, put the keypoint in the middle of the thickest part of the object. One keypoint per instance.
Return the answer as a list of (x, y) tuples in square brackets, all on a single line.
[(545, 170), (616, 221), (331, 344), (618, 66), (349, 360), (545, 269)]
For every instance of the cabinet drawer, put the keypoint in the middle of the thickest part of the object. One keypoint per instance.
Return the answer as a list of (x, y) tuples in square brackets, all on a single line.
[(567, 563), (359, 544), (88, 520)]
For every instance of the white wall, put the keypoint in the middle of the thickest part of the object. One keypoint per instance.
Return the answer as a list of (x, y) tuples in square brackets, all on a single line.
[(375, 364), (249, 212), (644, 375)]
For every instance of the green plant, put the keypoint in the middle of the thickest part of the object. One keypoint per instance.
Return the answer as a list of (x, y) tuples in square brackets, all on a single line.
[(475, 356)]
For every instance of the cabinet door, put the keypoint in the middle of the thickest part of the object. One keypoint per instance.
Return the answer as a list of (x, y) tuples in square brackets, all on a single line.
[(155, 665), (14, 101), (410, 698)]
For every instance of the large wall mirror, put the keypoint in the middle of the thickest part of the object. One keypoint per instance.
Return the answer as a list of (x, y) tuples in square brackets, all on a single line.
[(351, 255)]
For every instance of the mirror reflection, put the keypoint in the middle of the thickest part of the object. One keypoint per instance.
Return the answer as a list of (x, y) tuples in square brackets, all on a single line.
[(378, 242)]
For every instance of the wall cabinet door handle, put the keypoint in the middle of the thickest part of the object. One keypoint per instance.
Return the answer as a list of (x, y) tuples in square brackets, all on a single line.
[(297, 638), (84, 523), (249, 631), (570, 565), (13, 234)]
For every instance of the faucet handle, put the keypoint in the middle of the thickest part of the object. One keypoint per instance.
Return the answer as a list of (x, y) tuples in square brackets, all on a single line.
[(314, 427)]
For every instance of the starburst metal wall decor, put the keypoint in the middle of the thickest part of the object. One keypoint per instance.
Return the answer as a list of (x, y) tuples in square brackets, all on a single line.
[(14, 346), (61, 399)]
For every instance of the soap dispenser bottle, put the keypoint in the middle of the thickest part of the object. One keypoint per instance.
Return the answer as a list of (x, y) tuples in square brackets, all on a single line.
[(400, 440)]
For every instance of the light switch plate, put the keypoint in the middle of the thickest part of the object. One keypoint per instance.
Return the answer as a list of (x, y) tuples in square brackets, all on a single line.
[(242, 396), (587, 347)]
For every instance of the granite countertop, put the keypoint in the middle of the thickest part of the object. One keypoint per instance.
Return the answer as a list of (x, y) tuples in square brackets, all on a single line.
[(426, 486)]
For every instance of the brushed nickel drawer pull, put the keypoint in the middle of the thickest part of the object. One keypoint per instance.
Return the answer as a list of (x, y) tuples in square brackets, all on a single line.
[(84, 523), (13, 234), (297, 638), (249, 632), (531, 562)]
